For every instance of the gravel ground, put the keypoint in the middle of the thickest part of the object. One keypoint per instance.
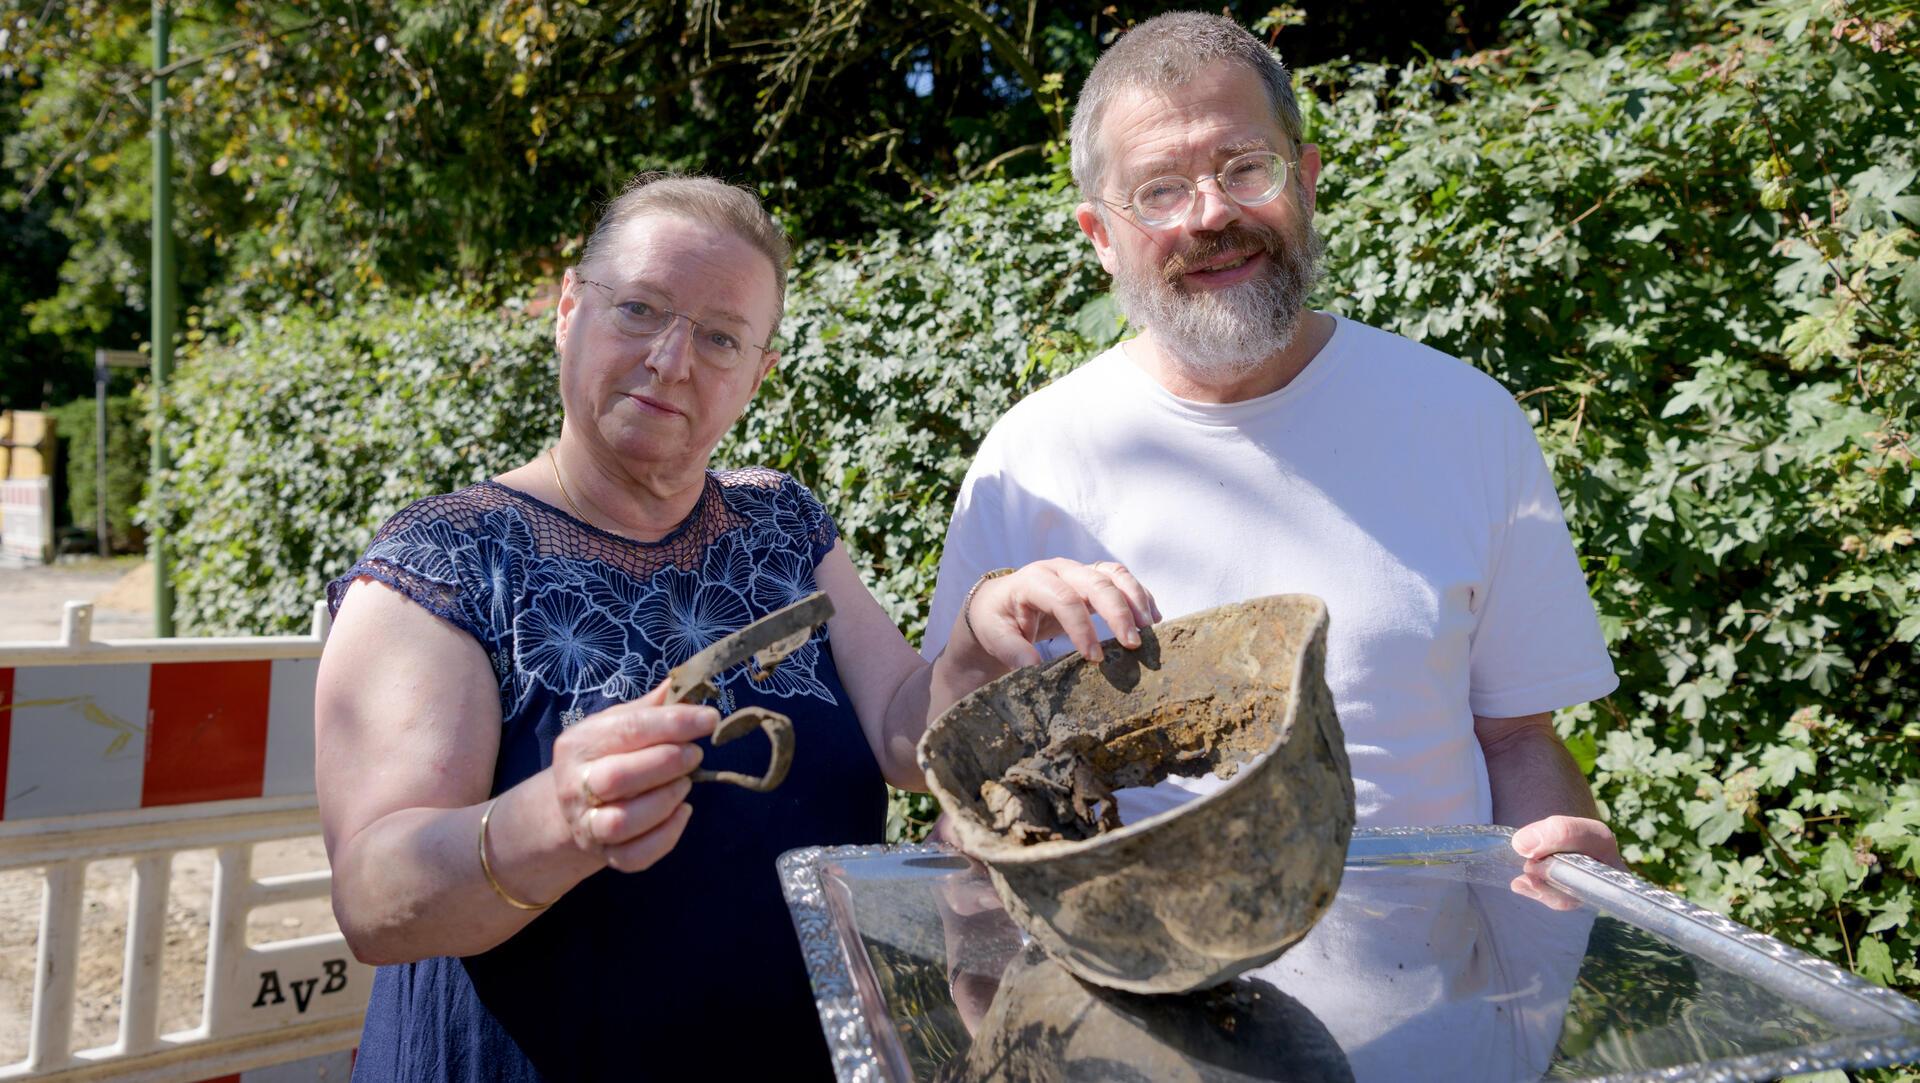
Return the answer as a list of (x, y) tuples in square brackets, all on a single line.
[(32, 600), (34, 597)]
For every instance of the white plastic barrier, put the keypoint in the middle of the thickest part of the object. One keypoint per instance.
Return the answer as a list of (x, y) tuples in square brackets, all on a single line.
[(26, 518), (139, 749)]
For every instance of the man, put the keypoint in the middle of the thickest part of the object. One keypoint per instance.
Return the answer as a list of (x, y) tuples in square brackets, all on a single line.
[(1245, 445)]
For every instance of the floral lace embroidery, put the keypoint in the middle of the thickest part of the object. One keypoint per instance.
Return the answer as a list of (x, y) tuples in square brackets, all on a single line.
[(590, 618)]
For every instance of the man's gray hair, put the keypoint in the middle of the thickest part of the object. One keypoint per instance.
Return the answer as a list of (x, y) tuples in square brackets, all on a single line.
[(1164, 52), (705, 200)]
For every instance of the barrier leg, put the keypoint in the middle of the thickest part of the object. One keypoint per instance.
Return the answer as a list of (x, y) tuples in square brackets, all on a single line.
[(146, 940), (50, 1045)]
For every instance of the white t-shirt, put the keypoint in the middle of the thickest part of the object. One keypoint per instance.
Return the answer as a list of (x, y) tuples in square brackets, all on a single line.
[(1401, 485), (1422, 976)]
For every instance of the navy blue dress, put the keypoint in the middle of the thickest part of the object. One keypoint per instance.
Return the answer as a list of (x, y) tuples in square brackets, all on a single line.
[(694, 961)]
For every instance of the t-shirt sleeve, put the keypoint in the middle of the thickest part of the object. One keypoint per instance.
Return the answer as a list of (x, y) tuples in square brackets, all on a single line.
[(976, 540), (1537, 645), (808, 519), (430, 562)]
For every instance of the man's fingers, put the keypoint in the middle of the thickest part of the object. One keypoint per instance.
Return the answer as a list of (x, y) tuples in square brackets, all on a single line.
[(1099, 588), (1568, 835), (642, 852), (1139, 599), (1068, 608), (1007, 643)]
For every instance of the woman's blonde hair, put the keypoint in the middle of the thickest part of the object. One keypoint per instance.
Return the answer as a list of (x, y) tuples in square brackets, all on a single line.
[(703, 199)]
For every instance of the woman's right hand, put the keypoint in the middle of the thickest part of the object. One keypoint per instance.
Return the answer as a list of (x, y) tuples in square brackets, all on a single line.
[(620, 777)]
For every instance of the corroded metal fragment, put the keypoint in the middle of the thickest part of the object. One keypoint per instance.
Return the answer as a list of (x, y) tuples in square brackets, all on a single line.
[(1026, 766), (1051, 795), (767, 642)]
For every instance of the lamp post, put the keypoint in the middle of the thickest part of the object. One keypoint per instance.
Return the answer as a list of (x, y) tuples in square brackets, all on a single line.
[(162, 305)]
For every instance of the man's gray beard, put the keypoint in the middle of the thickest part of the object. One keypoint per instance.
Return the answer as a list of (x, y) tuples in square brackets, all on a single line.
[(1225, 334)]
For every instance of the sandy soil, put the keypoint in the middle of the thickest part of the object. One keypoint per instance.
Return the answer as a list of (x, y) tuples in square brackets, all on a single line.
[(32, 600), (34, 597)]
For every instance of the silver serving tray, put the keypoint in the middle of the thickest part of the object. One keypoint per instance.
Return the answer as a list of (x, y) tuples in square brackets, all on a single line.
[(1429, 965)]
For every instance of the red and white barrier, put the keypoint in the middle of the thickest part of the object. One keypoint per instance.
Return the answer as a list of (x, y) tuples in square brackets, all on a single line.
[(26, 518), (139, 749)]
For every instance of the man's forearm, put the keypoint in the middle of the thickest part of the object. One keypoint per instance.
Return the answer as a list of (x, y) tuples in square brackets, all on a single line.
[(1531, 773)]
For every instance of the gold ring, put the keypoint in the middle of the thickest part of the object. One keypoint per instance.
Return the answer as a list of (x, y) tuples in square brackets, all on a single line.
[(586, 791)]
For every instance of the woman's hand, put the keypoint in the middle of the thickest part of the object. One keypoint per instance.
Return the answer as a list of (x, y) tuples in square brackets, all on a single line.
[(1009, 614), (620, 777)]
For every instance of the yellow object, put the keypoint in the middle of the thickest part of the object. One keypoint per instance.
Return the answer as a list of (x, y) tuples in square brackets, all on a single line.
[(487, 867), (26, 444)]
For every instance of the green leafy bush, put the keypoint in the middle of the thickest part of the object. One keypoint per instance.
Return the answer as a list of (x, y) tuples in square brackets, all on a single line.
[(1692, 256), (127, 462), (296, 435), (904, 350)]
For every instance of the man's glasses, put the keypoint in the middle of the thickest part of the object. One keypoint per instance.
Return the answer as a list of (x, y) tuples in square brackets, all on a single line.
[(640, 318), (1249, 179)]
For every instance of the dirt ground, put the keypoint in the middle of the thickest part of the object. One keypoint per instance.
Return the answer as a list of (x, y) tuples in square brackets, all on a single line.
[(34, 597), (32, 600)]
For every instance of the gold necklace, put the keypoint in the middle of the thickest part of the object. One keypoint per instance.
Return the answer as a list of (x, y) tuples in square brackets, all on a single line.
[(557, 480)]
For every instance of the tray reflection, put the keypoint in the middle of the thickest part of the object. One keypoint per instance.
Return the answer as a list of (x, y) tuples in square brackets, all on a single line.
[(1429, 965)]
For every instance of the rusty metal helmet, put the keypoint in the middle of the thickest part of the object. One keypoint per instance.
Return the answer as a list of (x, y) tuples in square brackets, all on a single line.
[(1190, 897)]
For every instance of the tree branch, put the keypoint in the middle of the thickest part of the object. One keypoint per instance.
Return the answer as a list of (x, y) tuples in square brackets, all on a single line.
[(71, 150), (1002, 45)]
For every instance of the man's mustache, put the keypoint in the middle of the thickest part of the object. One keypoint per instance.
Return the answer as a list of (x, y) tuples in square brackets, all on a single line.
[(1239, 237)]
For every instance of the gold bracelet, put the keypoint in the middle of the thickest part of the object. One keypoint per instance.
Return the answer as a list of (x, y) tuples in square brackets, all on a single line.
[(487, 867), (966, 604)]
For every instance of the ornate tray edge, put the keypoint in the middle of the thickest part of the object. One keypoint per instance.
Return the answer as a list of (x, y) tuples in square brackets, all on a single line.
[(849, 1041), (1879, 996)]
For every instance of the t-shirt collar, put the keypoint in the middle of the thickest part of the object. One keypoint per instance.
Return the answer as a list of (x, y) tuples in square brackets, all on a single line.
[(1235, 413)]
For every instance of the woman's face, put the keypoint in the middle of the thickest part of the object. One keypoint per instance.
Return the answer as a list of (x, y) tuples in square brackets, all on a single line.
[(659, 399)]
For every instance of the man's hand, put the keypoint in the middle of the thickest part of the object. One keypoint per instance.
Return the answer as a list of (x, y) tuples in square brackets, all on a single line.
[(1542, 839), (1568, 835)]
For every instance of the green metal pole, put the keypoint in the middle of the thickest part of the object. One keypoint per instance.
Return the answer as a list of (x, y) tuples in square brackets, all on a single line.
[(162, 317)]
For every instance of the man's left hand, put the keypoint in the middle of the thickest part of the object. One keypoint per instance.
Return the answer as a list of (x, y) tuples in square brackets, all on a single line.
[(1542, 839)]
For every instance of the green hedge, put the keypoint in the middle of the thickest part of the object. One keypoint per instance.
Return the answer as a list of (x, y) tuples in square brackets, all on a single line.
[(1690, 253), (127, 462), (294, 436), (904, 350)]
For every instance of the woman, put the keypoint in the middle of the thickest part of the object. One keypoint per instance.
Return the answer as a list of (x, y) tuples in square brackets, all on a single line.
[(493, 682)]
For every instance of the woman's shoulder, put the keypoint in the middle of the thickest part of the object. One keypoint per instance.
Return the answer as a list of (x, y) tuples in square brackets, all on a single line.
[(765, 495), (762, 483), (476, 509)]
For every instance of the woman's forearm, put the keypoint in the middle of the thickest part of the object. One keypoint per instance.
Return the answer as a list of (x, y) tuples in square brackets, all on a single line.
[(409, 886), (925, 695)]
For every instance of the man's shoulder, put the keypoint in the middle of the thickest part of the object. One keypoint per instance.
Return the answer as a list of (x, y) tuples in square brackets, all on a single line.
[(1052, 414), (1393, 362)]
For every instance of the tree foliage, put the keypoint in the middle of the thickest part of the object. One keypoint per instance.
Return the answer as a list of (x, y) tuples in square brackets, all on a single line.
[(293, 435), (331, 148)]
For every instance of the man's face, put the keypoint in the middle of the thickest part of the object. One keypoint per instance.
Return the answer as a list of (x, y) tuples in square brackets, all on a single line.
[(1223, 290)]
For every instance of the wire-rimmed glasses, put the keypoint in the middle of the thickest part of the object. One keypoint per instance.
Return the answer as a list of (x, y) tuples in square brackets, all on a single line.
[(1249, 179), (639, 317)]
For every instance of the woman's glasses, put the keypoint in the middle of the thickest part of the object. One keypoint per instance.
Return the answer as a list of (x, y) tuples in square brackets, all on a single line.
[(640, 318)]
